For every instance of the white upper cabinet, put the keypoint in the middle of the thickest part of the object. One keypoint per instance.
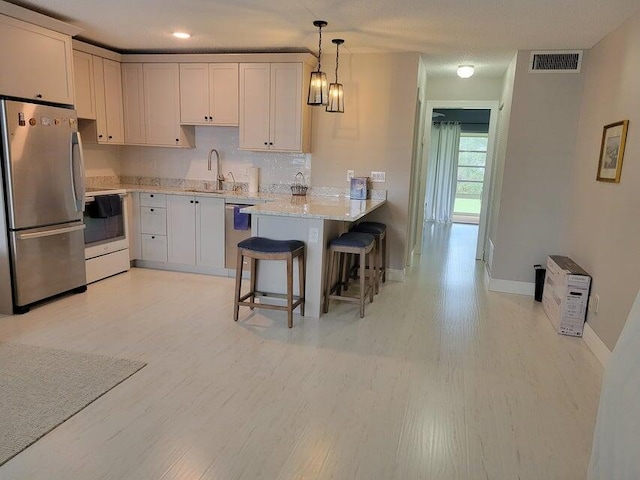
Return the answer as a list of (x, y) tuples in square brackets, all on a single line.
[(36, 63), (84, 85), (273, 113), (109, 114), (133, 103), (98, 84), (152, 105), (209, 93)]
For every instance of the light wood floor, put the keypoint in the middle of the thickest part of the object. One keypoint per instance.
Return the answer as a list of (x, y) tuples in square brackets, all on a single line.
[(440, 380)]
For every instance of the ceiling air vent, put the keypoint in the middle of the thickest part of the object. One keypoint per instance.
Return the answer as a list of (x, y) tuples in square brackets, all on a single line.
[(566, 61)]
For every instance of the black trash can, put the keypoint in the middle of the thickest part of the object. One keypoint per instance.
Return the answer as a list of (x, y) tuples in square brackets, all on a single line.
[(540, 274)]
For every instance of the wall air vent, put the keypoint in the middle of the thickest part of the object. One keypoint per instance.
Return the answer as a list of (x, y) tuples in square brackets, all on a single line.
[(565, 61)]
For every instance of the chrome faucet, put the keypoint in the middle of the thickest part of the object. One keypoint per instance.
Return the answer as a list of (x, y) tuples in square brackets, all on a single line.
[(235, 187), (220, 177)]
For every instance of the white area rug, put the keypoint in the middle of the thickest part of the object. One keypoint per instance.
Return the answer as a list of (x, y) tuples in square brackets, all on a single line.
[(40, 388)]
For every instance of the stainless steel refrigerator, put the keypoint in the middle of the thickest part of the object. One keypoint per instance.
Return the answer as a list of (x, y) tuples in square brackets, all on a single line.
[(42, 233)]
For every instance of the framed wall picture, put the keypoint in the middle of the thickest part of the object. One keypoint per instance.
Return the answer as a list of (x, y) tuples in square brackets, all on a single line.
[(614, 137)]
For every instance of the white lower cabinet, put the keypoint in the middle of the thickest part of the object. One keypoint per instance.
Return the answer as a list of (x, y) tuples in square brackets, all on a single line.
[(154, 247), (153, 227), (195, 230)]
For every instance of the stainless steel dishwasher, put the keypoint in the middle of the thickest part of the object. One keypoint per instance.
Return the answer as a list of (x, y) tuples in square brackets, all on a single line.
[(232, 237)]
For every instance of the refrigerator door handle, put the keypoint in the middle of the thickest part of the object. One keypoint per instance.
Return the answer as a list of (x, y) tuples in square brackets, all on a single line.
[(77, 167), (49, 233)]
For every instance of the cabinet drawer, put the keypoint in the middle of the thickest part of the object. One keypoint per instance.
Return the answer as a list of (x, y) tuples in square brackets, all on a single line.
[(153, 220), (153, 200), (154, 248)]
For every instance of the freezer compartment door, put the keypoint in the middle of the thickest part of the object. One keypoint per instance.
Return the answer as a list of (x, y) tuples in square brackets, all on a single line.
[(42, 164), (47, 261)]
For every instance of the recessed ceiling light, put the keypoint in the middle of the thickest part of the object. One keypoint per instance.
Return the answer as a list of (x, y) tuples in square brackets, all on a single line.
[(181, 35), (465, 71)]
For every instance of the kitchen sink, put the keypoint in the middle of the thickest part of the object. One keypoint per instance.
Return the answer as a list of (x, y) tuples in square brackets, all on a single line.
[(202, 190)]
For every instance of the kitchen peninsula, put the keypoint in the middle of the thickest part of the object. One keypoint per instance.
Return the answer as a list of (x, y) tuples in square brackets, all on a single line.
[(313, 219)]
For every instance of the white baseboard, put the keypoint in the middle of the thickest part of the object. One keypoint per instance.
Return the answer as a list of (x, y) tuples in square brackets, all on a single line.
[(508, 286), (395, 275), (597, 346)]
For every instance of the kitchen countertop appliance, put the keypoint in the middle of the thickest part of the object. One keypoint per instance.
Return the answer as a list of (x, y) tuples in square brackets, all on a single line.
[(41, 205)]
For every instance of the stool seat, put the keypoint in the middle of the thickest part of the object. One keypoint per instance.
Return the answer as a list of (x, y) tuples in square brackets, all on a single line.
[(370, 227), (267, 245), (353, 239)]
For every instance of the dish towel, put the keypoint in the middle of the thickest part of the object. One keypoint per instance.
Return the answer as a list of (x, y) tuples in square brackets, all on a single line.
[(241, 221), (105, 206)]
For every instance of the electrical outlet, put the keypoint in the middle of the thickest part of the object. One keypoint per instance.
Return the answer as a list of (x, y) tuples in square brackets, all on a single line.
[(378, 177), (350, 175), (313, 235)]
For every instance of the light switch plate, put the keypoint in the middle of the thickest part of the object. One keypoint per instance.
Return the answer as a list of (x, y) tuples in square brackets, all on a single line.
[(313, 235), (350, 175), (378, 177)]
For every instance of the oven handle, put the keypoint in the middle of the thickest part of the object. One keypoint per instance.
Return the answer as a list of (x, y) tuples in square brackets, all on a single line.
[(50, 233)]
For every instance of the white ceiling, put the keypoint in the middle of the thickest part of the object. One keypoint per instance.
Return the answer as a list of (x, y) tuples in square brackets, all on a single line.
[(485, 33)]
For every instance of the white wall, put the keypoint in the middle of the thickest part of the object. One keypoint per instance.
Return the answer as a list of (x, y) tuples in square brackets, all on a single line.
[(604, 231), (375, 133), (101, 160), (537, 171), (464, 89)]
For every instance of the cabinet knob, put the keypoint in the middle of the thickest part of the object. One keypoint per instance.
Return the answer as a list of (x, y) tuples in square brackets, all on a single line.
[(151, 209), (266, 143), (99, 136), (177, 140), (110, 137), (206, 118), (39, 95), (270, 143), (190, 201), (197, 201), (152, 237)]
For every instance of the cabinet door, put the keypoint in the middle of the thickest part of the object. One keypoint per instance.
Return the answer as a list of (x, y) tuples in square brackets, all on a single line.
[(210, 231), (194, 93), (162, 103), (36, 62), (181, 233), (133, 103), (153, 220), (286, 107), (84, 85), (113, 101), (101, 102), (254, 105), (154, 248), (223, 93)]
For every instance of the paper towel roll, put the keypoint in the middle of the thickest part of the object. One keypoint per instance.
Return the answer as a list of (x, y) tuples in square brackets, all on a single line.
[(254, 174)]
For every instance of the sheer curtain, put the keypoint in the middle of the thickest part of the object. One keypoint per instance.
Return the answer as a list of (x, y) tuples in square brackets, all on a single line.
[(442, 172)]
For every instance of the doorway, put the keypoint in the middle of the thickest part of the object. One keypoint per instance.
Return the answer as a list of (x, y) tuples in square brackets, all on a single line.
[(477, 122)]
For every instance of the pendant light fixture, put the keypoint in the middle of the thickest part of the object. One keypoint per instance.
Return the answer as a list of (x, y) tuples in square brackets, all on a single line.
[(318, 88), (336, 92)]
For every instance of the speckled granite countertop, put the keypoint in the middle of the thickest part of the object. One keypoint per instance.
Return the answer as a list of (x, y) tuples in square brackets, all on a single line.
[(325, 208)]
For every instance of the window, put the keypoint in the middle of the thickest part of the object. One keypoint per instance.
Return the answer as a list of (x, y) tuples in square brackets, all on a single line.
[(471, 163)]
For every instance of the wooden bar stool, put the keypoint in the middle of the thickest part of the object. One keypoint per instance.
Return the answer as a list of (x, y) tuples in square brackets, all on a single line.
[(260, 248), (379, 231), (358, 243)]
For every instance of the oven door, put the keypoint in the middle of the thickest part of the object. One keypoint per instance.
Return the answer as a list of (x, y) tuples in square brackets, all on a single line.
[(105, 235)]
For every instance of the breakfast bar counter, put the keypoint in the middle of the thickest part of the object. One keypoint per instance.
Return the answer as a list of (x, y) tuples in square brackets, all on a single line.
[(315, 220)]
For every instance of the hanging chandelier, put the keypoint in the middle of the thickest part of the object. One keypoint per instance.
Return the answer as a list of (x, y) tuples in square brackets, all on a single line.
[(336, 91), (318, 91)]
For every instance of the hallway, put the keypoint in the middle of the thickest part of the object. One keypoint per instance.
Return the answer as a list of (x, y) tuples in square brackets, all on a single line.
[(440, 380)]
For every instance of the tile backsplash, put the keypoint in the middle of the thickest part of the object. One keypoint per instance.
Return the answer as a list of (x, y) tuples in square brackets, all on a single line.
[(191, 164)]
